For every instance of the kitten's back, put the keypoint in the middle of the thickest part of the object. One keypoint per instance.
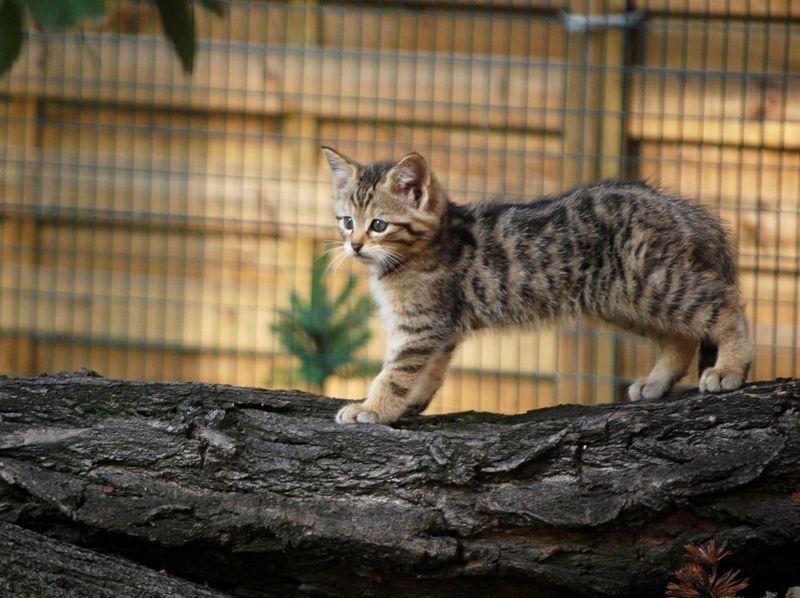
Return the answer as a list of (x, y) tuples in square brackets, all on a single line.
[(625, 252)]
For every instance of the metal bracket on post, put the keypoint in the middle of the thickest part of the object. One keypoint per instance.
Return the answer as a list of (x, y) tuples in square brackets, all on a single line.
[(575, 23)]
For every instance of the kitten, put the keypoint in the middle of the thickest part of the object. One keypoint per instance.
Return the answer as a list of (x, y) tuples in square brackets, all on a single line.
[(624, 252)]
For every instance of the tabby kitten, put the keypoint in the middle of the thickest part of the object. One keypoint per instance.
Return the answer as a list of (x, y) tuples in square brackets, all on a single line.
[(624, 252)]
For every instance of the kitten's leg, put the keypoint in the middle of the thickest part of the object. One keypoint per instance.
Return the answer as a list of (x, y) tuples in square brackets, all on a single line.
[(411, 374), (734, 354), (673, 361), (428, 383)]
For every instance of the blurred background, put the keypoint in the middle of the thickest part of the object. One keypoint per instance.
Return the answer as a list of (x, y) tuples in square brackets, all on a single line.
[(160, 225)]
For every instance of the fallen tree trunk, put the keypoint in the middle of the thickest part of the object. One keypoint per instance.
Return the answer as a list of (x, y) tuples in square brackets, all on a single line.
[(32, 564), (259, 493)]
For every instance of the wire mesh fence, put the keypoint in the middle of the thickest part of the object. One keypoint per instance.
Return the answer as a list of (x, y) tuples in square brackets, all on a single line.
[(155, 224)]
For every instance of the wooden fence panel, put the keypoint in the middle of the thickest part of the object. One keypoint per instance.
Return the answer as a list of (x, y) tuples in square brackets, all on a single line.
[(65, 293), (776, 9), (416, 86), (471, 164), (713, 109), (154, 223), (440, 31), (755, 191)]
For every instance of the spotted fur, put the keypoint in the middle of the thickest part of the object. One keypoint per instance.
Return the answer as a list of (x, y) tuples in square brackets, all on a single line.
[(626, 253)]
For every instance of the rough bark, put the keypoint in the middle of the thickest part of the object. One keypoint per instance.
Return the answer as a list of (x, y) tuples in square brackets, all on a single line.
[(35, 565), (257, 492)]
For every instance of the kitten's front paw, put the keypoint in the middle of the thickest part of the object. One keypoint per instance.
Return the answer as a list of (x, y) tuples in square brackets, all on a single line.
[(642, 389), (714, 380), (356, 413)]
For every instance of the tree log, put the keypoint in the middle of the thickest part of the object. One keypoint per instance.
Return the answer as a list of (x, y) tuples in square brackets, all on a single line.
[(35, 565), (259, 493)]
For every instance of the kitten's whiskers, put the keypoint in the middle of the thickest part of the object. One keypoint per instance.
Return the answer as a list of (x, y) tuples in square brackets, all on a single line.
[(390, 258), (337, 260)]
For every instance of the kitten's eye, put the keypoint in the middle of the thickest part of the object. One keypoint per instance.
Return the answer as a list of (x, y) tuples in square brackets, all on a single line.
[(379, 225), (347, 223)]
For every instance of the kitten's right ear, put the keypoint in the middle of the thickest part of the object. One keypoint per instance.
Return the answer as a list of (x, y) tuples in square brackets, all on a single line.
[(410, 179), (344, 169)]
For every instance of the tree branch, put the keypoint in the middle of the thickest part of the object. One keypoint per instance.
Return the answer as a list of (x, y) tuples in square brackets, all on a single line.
[(258, 492)]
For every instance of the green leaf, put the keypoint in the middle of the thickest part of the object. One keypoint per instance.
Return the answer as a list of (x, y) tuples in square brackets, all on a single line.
[(63, 13), (177, 18), (12, 34)]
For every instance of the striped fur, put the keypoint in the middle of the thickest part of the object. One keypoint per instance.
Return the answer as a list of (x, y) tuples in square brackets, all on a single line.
[(623, 252)]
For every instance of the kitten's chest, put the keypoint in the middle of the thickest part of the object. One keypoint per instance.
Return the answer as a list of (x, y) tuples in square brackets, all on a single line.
[(383, 297), (404, 297)]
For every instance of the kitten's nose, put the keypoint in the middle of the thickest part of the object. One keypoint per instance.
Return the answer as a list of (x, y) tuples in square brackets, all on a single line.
[(356, 246)]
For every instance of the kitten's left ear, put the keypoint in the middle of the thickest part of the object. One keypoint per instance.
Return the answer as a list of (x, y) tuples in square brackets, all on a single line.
[(410, 179), (344, 169)]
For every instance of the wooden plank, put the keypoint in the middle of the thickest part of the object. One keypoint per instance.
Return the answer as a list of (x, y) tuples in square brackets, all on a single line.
[(464, 391), (250, 22), (712, 173), (441, 31), (499, 4), (140, 363), (156, 139), (393, 26), (125, 307), (258, 22), (113, 188), (118, 361), (17, 356), (470, 163), (130, 69), (300, 129), (454, 90), (772, 302), (611, 101), (109, 165), (713, 109), (581, 113), (218, 257), (410, 86), (723, 45), (532, 5), (18, 121), (754, 191), (773, 9), (522, 350)]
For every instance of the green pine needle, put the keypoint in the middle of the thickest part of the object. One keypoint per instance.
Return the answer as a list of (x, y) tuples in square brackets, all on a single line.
[(325, 332)]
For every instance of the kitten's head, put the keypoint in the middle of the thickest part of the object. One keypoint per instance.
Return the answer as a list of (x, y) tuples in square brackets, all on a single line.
[(386, 211)]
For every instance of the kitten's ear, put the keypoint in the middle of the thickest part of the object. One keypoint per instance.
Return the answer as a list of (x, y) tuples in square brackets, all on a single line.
[(344, 169), (410, 179)]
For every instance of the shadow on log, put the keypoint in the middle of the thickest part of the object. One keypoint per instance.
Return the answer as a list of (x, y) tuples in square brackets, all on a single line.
[(213, 490)]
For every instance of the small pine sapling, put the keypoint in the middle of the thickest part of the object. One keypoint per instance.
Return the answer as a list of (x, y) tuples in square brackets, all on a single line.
[(325, 332)]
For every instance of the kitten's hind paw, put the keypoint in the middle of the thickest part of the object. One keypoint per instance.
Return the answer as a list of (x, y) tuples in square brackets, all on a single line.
[(642, 389), (356, 413), (714, 380)]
